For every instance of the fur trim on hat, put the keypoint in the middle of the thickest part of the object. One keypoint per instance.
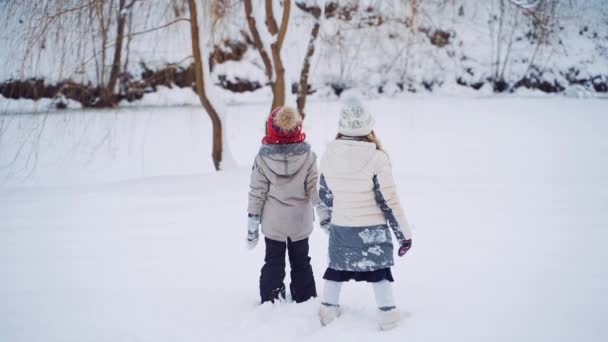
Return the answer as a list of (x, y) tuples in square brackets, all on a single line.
[(287, 119)]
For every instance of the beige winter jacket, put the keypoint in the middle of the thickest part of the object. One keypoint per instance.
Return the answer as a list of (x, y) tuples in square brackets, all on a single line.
[(283, 190), (353, 171)]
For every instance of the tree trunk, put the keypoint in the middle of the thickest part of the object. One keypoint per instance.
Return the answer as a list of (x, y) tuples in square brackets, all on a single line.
[(200, 86), (509, 48), (279, 85), (104, 40), (124, 80), (414, 4), (115, 71), (303, 86), (499, 42)]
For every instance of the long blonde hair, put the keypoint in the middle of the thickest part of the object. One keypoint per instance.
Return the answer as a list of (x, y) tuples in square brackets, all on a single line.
[(371, 138)]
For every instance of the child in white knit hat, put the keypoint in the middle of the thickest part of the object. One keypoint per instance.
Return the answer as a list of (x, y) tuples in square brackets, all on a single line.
[(359, 209)]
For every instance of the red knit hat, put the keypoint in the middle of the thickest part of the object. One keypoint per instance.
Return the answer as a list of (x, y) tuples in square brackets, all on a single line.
[(284, 126)]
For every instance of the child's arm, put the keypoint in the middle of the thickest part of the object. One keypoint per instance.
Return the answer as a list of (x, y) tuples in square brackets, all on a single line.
[(312, 179), (326, 203), (310, 184), (386, 196), (258, 188)]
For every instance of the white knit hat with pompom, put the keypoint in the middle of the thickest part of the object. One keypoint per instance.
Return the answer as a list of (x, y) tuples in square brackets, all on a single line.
[(355, 119)]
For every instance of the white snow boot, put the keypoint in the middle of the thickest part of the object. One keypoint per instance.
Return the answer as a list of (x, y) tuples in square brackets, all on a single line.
[(388, 319), (327, 313)]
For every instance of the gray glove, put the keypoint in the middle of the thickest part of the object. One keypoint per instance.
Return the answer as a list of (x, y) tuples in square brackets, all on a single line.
[(253, 231)]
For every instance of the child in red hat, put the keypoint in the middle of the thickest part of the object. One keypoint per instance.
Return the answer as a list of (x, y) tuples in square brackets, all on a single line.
[(283, 190)]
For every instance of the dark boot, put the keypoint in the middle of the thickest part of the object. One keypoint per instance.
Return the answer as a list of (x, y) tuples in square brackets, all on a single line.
[(302, 285), (273, 272)]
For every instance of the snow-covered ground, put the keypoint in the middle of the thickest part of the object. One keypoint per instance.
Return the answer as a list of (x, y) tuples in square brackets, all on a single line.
[(118, 229)]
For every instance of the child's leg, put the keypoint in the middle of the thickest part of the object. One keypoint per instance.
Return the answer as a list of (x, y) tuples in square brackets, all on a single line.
[(273, 271), (302, 280), (388, 316), (330, 308), (331, 293), (383, 291)]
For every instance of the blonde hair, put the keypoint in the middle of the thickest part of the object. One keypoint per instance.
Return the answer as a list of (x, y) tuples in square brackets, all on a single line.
[(371, 138)]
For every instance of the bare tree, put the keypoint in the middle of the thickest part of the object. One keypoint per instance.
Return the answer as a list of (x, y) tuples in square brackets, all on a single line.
[(275, 70), (303, 87), (542, 16), (81, 33), (216, 122), (108, 92), (104, 29), (544, 19), (411, 23), (502, 42)]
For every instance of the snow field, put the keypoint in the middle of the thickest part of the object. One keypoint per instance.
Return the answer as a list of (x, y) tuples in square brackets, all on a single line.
[(123, 232)]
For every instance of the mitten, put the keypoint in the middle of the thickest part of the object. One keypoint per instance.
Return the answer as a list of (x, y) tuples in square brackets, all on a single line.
[(405, 246), (253, 231)]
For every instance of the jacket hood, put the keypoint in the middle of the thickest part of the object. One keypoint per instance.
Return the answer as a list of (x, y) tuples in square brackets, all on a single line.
[(347, 156), (285, 159)]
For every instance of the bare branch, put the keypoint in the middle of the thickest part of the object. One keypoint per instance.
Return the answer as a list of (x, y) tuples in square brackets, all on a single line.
[(271, 23), (158, 27), (96, 54), (74, 9), (257, 41), (305, 71), (284, 23)]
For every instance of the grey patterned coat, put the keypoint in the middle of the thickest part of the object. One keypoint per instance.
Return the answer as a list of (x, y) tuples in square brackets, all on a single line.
[(283, 189)]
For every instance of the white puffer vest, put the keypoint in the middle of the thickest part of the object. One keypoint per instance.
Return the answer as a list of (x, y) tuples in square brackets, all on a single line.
[(349, 167)]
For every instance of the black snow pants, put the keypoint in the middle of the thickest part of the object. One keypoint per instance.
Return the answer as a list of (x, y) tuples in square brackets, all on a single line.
[(302, 285)]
